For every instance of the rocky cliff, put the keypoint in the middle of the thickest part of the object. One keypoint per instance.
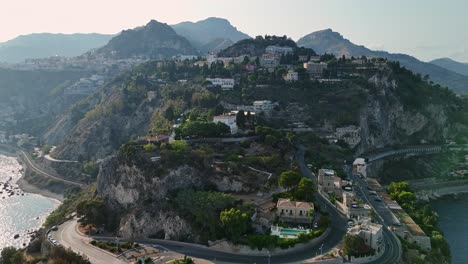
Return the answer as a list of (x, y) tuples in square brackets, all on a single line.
[(140, 193)]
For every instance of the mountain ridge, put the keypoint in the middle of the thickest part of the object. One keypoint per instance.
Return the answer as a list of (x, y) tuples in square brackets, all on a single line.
[(452, 65), (329, 41)]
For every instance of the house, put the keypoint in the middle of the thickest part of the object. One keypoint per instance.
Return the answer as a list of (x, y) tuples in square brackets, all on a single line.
[(282, 50), (329, 182), (263, 106), (372, 234), (360, 167), (250, 67), (270, 60), (315, 58), (315, 69), (225, 84), (292, 211), (228, 120), (291, 76), (352, 208), (151, 95), (303, 58)]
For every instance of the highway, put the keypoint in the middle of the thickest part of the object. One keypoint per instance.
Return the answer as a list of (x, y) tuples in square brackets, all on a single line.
[(392, 253)]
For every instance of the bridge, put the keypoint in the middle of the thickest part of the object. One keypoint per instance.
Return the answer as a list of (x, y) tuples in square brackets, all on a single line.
[(413, 150)]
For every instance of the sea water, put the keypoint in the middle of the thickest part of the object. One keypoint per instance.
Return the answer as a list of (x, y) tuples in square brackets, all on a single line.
[(453, 220), (20, 213)]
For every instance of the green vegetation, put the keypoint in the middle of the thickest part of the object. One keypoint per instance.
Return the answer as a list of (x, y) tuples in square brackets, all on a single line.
[(354, 245), (204, 208), (113, 247), (69, 206), (202, 129), (299, 188), (423, 215), (235, 223), (58, 255), (91, 212)]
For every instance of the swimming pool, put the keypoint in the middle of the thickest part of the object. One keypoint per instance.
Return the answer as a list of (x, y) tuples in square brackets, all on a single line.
[(288, 231)]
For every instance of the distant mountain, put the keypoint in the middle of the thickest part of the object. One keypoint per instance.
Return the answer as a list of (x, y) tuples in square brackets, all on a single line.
[(452, 65), (45, 45), (216, 45), (155, 40), (328, 41), (211, 30)]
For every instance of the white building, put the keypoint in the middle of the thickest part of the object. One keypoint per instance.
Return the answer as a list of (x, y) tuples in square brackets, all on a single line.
[(292, 211), (372, 234), (225, 84), (352, 208), (228, 120), (360, 167), (279, 49), (291, 76), (263, 106), (315, 69)]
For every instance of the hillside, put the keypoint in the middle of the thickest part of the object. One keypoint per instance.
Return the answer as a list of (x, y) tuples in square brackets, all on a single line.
[(155, 40), (45, 45), (256, 46), (452, 65), (207, 31), (328, 41)]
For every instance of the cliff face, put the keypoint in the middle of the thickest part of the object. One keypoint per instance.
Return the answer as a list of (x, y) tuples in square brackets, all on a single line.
[(387, 120), (141, 197)]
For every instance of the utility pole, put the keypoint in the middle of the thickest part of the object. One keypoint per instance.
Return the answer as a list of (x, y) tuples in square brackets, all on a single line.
[(321, 249)]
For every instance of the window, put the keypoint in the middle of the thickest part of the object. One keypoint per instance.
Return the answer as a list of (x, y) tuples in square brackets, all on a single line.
[(300, 212)]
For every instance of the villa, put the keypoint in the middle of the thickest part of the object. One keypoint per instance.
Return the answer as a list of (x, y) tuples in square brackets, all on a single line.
[(228, 120), (371, 233), (329, 182), (294, 212)]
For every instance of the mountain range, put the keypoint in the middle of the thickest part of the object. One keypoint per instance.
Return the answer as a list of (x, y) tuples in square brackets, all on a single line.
[(328, 41), (452, 65), (211, 34), (43, 45), (155, 40)]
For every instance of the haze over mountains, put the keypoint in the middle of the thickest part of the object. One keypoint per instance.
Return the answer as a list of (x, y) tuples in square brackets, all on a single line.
[(158, 40), (42, 45), (452, 65), (210, 33), (333, 42)]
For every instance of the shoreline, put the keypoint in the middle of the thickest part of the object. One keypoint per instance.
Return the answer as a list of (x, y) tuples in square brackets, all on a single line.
[(430, 195), (26, 187)]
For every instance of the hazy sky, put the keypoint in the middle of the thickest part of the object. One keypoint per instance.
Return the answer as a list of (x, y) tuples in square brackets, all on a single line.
[(427, 29)]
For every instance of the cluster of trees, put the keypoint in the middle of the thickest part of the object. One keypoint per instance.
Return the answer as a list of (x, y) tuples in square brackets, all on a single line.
[(299, 187), (11, 255), (354, 245), (91, 212), (202, 129), (204, 208)]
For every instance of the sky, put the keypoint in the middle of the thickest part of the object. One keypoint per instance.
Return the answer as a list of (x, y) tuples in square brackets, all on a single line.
[(426, 29)]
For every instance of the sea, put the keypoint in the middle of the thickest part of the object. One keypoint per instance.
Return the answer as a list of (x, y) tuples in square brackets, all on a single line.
[(453, 220), (20, 213)]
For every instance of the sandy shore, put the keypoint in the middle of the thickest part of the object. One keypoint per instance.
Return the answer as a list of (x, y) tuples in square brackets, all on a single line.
[(29, 188)]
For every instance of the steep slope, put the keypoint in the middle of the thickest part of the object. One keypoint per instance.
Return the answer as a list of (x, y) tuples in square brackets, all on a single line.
[(206, 31), (45, 45), (328, 41), (452, 65), (215, 45), (155, 40)]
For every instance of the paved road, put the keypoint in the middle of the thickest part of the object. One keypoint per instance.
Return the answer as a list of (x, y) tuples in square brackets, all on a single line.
[(31, 165), (392, 252), (68, 236)]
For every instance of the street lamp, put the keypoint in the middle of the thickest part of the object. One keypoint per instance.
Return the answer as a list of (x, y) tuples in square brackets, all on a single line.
[(321, 249)]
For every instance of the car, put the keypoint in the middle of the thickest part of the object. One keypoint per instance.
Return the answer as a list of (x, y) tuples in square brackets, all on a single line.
[(54, 228), (315, 225), (369, 188), (377, 199)]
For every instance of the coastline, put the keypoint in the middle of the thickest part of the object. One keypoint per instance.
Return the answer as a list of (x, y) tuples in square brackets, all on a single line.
[(25, 186), (441, 192)]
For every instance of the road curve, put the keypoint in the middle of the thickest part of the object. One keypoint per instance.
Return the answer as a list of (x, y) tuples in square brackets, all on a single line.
[(31, 165), (69, 237)]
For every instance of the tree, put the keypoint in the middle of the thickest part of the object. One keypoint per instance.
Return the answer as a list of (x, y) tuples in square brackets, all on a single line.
[(240, 119), (305, 190), (354, 245), (7, 255), (289, 179), (235, 223), (92, 212), (150, 147)]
